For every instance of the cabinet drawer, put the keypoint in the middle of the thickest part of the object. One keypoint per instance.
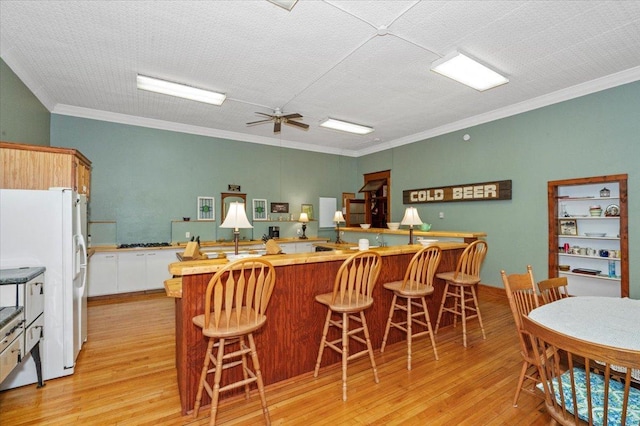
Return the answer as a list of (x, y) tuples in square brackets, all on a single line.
[(11, 331), (34, 298), (33, 333), (10, 357)]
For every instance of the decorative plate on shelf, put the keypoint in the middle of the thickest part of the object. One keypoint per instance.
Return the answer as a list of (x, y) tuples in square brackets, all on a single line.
[(612, 210)]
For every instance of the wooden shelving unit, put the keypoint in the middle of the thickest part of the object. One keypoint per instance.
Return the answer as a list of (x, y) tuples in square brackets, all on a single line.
[(569, 202)]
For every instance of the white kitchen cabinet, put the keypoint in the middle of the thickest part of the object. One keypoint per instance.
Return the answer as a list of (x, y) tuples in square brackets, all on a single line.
[(304, 248), (132, 271), (157, 263), (103, 274)]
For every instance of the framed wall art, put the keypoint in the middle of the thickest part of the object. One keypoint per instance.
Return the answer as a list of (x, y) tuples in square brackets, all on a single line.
[(568, 226), (206, 208), (308, 209), (279, 207), (259, 209)]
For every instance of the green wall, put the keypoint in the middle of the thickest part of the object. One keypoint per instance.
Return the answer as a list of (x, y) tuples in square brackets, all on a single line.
[(593, 135), (22, 117), (143, 179)]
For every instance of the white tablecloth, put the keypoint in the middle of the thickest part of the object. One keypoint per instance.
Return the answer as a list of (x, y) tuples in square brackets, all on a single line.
[(610, 321)]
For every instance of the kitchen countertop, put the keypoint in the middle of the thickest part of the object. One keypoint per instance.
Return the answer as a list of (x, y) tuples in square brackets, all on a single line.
[(19, 275), (205, 244), (417, 232)]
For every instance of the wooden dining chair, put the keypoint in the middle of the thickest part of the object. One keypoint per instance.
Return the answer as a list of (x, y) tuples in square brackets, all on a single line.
[(553, 289), (578, 382), (461, 288), (236, 301), (410, 293), (521, 292), (352, 294)]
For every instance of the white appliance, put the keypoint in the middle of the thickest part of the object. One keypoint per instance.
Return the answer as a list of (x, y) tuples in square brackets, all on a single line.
[(48, 228)]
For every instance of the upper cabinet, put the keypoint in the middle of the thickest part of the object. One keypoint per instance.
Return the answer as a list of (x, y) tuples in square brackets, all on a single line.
[(588, 234), (377, 196), (42, 167)]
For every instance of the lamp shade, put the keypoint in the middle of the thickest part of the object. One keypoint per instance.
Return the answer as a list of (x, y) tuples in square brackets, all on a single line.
[(236, 217), (411, 217), (338, 217), (303, 218)]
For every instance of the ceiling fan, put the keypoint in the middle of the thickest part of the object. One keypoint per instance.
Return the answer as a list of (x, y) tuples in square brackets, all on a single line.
[(278, 119)]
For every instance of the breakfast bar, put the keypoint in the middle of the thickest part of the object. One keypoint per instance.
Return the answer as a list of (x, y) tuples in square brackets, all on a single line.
[(289, 341)]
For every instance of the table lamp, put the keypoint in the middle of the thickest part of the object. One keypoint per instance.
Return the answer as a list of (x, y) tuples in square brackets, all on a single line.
[(337, 218), (236, 218), (304, 219), (411, 218)]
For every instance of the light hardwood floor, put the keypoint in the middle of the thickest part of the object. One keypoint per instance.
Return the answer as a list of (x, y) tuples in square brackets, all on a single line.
[(125, 376)]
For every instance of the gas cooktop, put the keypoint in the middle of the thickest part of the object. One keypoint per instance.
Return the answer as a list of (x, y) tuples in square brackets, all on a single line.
[(136, 245)]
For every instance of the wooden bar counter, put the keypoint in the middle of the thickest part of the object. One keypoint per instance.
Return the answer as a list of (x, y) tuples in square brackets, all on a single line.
[(288, 343)]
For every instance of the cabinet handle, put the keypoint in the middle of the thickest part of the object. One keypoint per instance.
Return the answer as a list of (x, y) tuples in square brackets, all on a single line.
[(140, 254)]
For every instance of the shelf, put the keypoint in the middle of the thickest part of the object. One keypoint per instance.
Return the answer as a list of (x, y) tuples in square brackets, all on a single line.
[(617, 259), (584, 237), (599, 277), (586, 198)]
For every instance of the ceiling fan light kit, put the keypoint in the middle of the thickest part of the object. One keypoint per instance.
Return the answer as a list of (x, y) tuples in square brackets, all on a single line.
[(179, 90), (345, 126), (468, 71)]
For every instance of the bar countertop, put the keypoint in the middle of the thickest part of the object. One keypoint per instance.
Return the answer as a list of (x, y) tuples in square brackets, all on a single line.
[(340, 252)]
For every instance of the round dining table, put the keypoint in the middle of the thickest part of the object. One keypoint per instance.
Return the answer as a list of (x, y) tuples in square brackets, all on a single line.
[(610, 321)]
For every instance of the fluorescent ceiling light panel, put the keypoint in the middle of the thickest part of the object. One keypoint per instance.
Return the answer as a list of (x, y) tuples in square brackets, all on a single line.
[(285, 4), (468, 71), (180, 90), (345, 126)]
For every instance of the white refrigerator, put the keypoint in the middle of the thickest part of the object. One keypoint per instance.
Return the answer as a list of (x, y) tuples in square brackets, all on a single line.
[(47, 228)]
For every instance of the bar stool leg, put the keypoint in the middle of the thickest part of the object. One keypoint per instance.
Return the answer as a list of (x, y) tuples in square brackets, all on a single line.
[(369, 347), (323, 342), (464, 316), (216, 383), (203, 377), (428, 320), (345, 353), (475, 300), (409, 333), (386, 331), (256, 367), (444, 299)]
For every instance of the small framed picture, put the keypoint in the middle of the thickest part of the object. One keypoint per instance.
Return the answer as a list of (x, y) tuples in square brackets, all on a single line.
[(308, 209), (279, 207), (568, 226), (206, 210), (259, 209)]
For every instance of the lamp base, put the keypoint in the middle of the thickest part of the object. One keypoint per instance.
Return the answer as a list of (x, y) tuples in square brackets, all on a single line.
[(304, 229)]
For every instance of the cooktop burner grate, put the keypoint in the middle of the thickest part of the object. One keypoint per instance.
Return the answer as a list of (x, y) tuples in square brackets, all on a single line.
[(136, 245)]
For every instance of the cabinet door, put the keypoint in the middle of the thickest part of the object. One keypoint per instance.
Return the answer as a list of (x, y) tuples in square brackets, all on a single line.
[(304, 247), (103, 274), (158, 267), (132, 271)]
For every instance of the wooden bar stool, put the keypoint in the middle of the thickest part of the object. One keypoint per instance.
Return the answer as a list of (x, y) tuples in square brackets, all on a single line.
[(416, 285), (236, 300), (461, 285), (351, 295)]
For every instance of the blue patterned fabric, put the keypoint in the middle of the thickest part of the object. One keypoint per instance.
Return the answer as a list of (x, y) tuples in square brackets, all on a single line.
[(616, 394)]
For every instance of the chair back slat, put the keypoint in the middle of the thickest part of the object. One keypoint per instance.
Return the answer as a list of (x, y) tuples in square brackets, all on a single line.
[(471, 260), (521, 292), (241, 288), (578, 379), (553, 289), (356, 278), (422, 268)]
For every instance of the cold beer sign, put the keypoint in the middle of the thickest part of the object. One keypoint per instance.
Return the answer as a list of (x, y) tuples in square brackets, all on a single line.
[(500, 190)]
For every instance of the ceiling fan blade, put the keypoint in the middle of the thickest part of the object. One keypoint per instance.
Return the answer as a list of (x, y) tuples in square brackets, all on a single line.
[(295, 123), (256, 122), (294, 115), (276, 127), (266, 115)]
